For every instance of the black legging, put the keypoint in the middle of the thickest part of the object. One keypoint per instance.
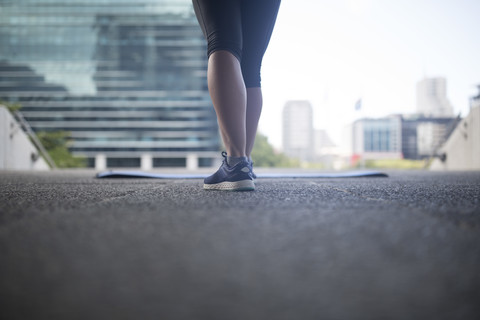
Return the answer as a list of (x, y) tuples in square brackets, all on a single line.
[(242, 27)]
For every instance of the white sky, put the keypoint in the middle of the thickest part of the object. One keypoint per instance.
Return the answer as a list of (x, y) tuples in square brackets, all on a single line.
[(333, 52)]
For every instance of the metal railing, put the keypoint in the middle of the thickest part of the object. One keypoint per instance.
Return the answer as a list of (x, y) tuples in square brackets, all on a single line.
[(33, 137)]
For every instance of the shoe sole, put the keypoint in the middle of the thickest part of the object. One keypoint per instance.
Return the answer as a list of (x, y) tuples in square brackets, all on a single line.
[(243, 185)]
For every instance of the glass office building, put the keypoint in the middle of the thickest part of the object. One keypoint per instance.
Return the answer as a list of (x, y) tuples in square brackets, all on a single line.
[(378, 138), (127, 78), (401, 136)]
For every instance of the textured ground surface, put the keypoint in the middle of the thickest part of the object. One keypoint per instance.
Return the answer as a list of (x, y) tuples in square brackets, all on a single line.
[(403, 247)]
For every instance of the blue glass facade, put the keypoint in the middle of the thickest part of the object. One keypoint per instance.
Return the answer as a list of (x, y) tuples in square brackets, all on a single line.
[(125, 77), (380, 135)]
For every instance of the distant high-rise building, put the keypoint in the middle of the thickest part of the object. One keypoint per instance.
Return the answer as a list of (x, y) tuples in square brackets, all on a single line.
[(432, 98), (298, 133), (127, 78)]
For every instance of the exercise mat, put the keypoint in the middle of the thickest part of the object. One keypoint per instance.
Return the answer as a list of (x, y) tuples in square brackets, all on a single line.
[(153, 175)]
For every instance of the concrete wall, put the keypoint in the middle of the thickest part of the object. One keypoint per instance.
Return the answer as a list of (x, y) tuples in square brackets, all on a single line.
[(462, 149), (16, 150)]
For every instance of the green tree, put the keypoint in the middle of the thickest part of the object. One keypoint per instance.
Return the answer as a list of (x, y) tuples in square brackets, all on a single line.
[(56, 143), (11, 106), (264, 155)]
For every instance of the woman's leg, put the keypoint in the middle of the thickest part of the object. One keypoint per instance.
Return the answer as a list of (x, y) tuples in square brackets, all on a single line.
[(254, 109), (229, 97), (258, 21), (221, 24)]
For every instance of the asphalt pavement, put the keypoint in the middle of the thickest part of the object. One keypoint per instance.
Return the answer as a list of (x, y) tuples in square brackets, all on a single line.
[(403, 247)]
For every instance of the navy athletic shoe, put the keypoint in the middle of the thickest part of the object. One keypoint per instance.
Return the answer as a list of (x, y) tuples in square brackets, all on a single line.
[(231, 178)]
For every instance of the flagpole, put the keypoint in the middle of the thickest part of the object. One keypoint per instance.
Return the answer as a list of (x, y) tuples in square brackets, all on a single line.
[(358, 116)]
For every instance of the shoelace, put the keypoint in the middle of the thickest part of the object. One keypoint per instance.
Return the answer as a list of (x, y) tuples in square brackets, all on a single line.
[(224, 155)]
